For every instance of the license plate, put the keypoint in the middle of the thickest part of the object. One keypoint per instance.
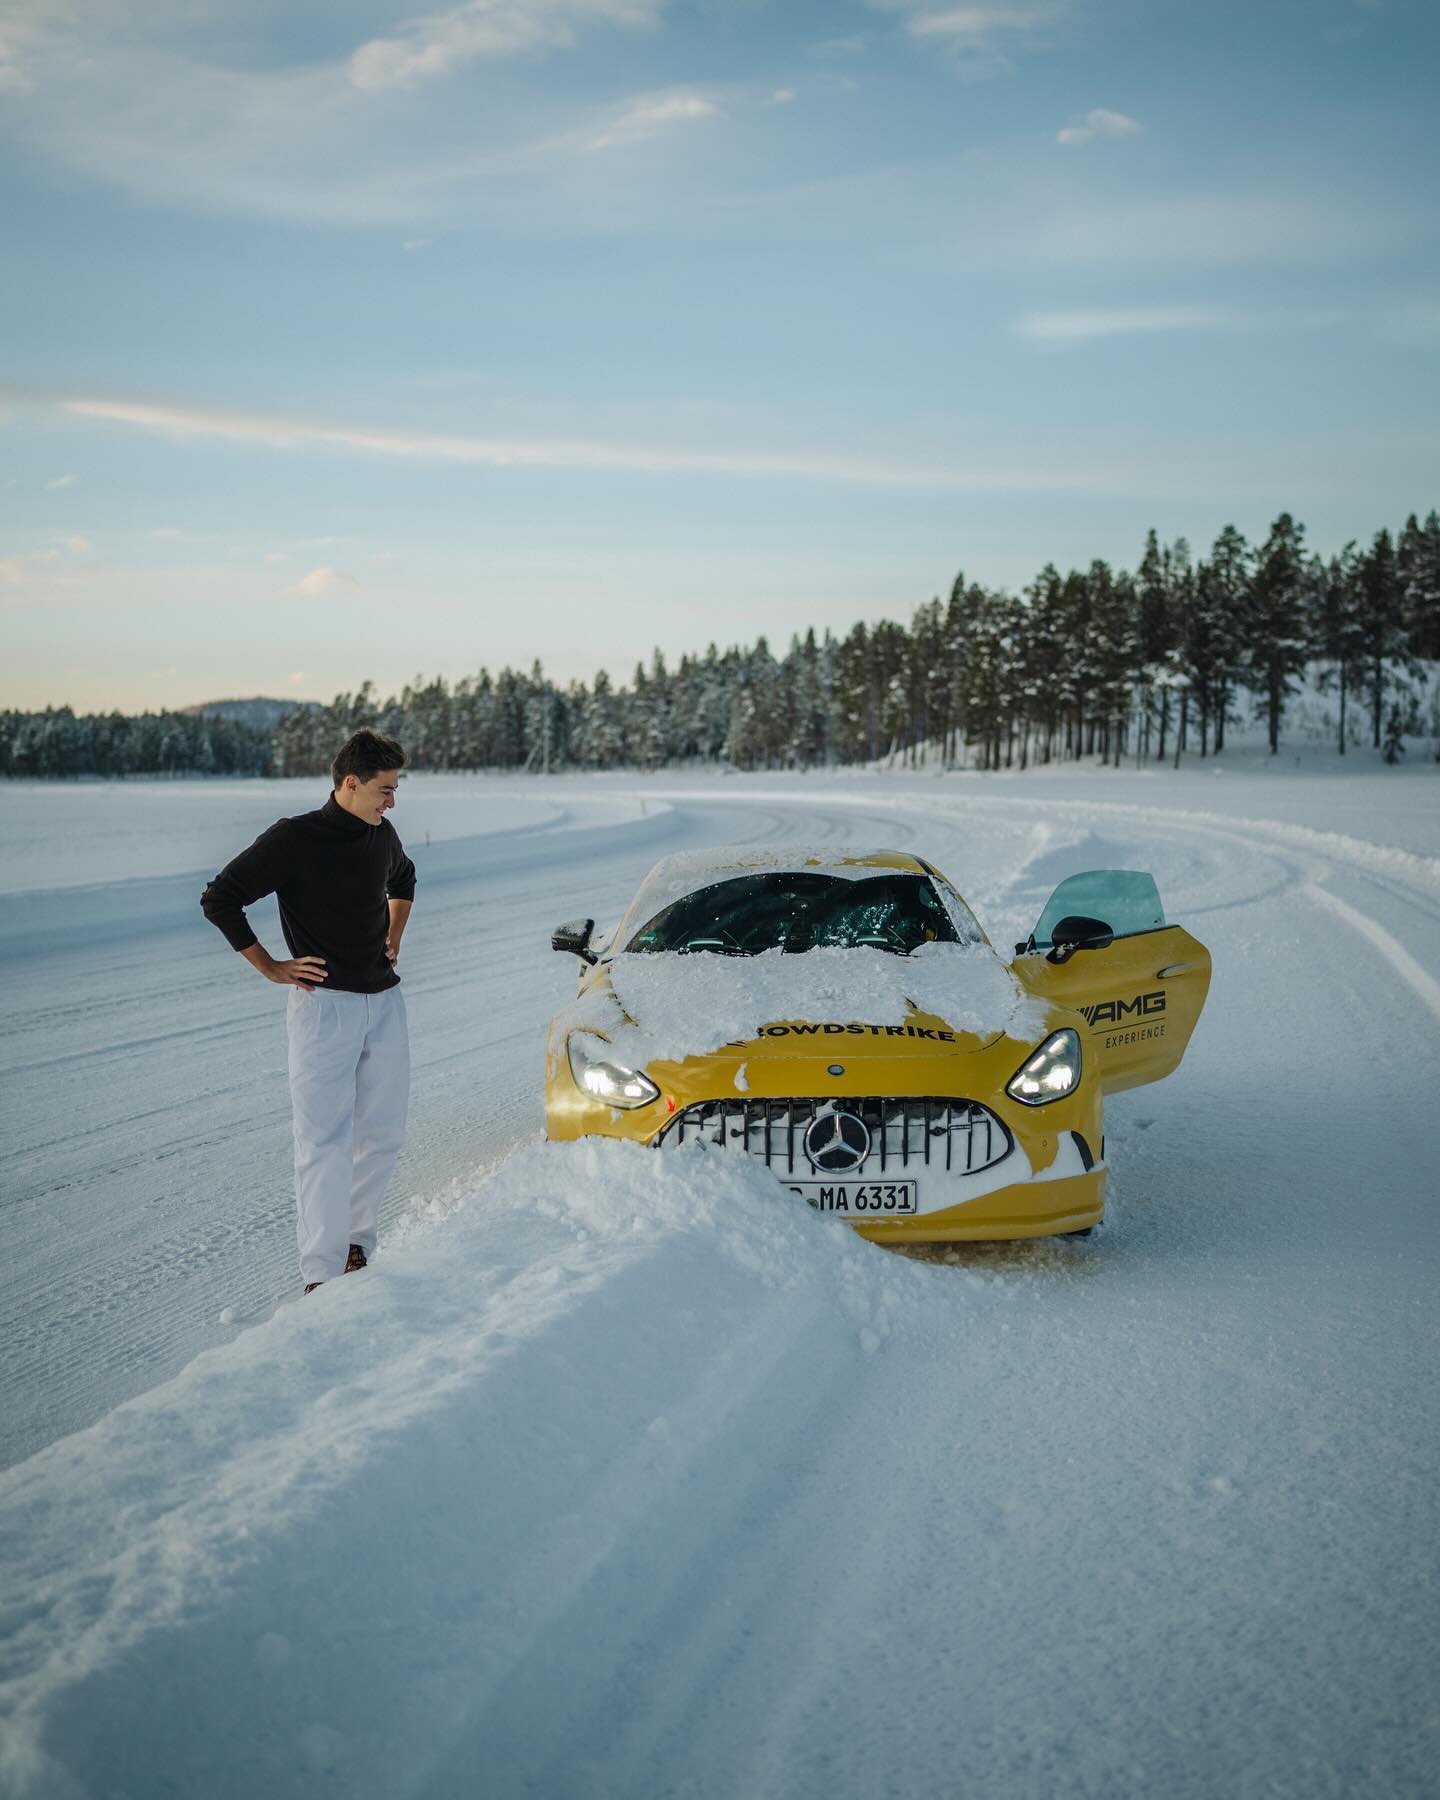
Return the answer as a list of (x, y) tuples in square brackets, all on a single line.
[(858, 1199)]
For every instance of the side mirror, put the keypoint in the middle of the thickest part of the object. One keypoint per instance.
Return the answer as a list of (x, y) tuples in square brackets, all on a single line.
[(1076, 932), (574, 939)]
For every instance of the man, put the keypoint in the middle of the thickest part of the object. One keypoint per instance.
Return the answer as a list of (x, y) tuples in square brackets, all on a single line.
[(345, 888)]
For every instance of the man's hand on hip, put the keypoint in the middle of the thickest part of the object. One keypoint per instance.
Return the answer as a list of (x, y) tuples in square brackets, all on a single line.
[(299, 971)]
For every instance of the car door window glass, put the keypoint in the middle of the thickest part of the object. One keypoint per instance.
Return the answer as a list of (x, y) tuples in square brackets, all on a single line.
[(1126, 899)]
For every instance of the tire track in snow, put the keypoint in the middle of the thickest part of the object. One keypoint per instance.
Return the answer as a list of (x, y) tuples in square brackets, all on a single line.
[(688, 1496), (1420, 982)]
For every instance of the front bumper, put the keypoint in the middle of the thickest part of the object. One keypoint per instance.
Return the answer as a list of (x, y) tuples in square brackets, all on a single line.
[(988, 1168), (1023, 1210)]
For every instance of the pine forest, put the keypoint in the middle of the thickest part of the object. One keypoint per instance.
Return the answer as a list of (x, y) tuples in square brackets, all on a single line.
[(1098, 663)]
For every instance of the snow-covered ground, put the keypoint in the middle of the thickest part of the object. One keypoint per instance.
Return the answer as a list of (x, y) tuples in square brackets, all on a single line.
[(618, 1475), (77, 833)]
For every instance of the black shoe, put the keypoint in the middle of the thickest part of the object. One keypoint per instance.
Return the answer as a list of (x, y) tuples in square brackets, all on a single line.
[(355, 1260)]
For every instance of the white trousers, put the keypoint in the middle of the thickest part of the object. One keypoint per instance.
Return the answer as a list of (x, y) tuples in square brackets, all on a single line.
[(350, 1086)]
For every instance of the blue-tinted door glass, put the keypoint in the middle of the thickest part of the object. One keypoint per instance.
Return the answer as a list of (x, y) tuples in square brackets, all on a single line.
[(1126, 899)]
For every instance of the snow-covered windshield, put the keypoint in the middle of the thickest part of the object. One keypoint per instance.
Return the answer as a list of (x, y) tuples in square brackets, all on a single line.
[(797, 911)]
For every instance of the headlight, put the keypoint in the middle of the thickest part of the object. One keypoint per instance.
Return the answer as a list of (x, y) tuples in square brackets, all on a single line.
[(1049, 1073), (605, 1079)]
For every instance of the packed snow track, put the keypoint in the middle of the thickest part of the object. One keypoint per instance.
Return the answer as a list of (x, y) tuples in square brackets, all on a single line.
[(622, 1476)]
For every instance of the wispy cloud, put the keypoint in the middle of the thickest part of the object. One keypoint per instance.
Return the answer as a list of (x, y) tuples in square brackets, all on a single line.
[(13, 79), (1086, 324), (134, 101), (49, 568), (413, 244), (1099, 122), (324, 580), (1119, 321), (16, 34), (166, 531), (982, 475), (651, 113), (441, 43), (1038, 219), (61, 481), (977, 36)]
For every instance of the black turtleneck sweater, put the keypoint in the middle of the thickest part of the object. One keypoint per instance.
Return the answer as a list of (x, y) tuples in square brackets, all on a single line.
[(332, 874)]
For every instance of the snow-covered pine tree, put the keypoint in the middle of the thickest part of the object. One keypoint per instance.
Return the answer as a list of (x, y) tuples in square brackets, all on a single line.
[(1175, 666), (1043, 658), (713, 702), (1228, 604), (1113, 638), (928, 677), (1382, 617), (604, 739), (1418, 563), (1278, 637), (856, 699), (990, 675), (890, 650), (659, 749), (1338, 629), (1153, 639)]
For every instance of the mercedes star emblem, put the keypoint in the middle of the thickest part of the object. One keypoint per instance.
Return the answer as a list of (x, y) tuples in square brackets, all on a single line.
[(837, 1142)]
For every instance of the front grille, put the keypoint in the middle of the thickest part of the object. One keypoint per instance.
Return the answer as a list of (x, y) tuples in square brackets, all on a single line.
[(959, 1136)]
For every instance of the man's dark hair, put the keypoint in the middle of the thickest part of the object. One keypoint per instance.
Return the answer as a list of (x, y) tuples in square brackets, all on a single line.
[(364, 756)]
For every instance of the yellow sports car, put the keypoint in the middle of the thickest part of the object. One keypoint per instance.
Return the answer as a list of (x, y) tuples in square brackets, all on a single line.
[(845, 1021)]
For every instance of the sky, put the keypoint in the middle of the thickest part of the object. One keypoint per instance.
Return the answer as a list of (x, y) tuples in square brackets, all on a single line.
[(340, 342)]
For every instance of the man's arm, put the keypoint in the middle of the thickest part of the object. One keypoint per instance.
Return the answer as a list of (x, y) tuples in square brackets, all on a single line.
[(400, 886), (253, 874), (399, 913)]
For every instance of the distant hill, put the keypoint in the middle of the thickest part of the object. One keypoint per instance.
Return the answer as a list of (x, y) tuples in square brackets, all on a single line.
[(261, 712)]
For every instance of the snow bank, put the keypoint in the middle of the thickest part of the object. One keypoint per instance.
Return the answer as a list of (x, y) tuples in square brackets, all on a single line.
[(469, 1400)]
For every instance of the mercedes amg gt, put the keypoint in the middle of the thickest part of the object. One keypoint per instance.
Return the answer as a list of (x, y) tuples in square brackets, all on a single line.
[(844, 1021)]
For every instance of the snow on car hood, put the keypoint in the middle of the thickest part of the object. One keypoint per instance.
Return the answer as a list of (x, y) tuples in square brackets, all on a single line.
[(664, 1006)]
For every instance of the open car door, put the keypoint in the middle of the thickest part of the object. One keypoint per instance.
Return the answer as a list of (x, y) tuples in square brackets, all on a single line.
[(1102, 948)]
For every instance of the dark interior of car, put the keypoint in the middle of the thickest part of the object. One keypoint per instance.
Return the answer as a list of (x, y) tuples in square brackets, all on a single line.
[(794, 912)]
